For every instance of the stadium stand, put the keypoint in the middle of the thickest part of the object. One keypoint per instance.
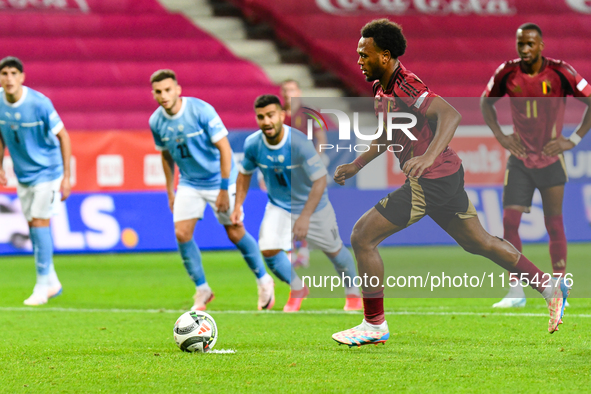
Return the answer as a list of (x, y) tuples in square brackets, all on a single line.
[(94, 58), (455, 54)]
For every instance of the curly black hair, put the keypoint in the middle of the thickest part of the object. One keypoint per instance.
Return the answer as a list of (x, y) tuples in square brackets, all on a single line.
[(387, 35)]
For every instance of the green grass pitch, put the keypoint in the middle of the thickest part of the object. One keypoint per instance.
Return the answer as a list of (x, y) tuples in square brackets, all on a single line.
[(111, 331)]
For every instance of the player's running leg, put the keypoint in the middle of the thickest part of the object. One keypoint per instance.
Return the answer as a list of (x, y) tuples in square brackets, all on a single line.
[(43, 251), (279, 264), (511, 221), (38, 203), (191, 256), (552, 198), (369, 231), (344, 264), (247, 245), (471, 236)]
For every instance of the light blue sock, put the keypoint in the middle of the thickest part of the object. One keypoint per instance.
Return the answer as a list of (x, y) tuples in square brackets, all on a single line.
[(280, 266), (192, 260), (43, 252), (251, 253), (345, 264)]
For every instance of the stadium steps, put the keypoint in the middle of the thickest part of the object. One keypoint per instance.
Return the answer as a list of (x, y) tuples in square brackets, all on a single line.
[(96, 66), (233, 32)]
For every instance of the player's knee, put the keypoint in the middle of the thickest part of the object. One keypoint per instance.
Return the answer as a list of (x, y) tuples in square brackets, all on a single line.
[(357, 237), (182, 235), (235, 233), (478, 246), (270, 253)]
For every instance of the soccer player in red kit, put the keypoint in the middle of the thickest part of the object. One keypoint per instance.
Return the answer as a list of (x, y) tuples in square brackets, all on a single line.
[(535, 85), (434, 185)]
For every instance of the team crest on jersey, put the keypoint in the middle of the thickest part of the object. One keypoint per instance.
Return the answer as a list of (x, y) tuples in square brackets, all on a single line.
[(181, 128), (17, 116), (517, 89), (546, 87), (281, 158)]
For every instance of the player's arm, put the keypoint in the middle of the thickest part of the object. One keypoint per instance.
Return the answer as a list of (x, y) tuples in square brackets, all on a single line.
[(223, 201), (346, 171), (3, 180), (242, 184), (66, 148), (559, 145), (168, 167), (510, 142), (448, 120), (301, 225)]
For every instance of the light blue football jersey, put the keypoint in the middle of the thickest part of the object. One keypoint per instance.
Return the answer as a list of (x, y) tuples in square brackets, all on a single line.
[(189, 136), (28, 129), (289, 168)]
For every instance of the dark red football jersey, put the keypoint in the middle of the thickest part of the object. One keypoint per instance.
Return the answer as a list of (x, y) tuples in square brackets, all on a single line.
[(537, 117), (407, 93), (297, 120)]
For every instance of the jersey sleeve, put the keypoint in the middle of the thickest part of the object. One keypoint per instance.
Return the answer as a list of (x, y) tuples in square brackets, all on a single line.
[(310, 160), (212, 124), (413, 93), (50, 117), (248, 164), (157, 139), (577, 85), (496, 86)]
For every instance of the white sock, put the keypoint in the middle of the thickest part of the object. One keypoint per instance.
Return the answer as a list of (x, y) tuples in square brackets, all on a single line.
[(263, 280), (296, 282), (352, 291), (376, 326), (517, 291), (53, 279), (203, 287), (549, 291), (42, 280)]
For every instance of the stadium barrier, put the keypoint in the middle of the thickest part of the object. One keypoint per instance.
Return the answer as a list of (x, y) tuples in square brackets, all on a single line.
[(119, 204)]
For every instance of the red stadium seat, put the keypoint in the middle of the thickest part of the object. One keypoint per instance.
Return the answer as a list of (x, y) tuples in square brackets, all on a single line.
[(95, 64)]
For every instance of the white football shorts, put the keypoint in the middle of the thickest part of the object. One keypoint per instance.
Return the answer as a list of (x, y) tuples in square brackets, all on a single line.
[(276, 230), (190, 203), (40, 201)]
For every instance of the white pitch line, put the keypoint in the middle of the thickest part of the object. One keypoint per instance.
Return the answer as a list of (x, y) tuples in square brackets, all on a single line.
[(253, 312)]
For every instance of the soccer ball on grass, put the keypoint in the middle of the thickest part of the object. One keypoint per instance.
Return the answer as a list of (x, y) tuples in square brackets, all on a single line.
[(195, 331)]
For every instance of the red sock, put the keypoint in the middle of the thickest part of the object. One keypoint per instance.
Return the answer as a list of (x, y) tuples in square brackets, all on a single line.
[(555, 227), (533, 273), (373, 307), (511, 221)]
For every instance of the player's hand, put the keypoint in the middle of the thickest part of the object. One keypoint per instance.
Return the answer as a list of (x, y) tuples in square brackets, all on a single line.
[(300, 228), (171, 201), (513, 144), (65, 188), (344, 172), (557, 146), (222, 204), (417, 165), (236, 217), (3, 179)]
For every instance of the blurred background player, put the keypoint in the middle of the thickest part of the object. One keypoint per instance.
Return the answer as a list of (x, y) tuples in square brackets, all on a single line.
[(190, 134), (296, 186), (434, 185), (40, 149), (536, 146), (296, 118)]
